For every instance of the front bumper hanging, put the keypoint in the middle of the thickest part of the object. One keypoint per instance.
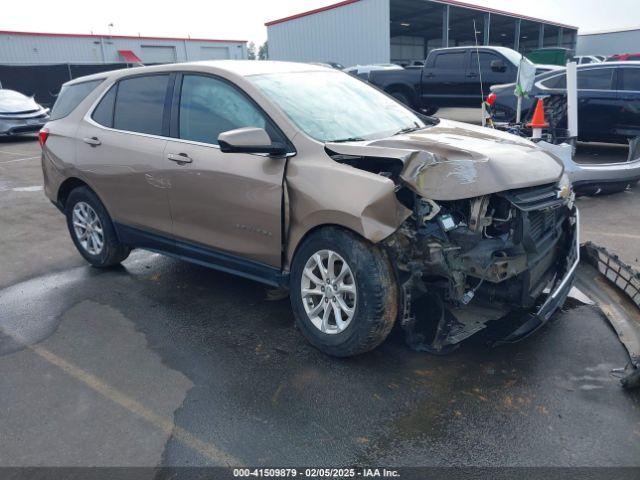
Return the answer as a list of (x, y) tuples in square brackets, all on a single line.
[(557, 295)]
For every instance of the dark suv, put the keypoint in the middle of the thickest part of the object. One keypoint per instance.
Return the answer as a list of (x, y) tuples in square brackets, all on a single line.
[(608, 100)]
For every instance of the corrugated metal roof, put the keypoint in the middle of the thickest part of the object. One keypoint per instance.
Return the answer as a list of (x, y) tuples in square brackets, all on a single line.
[(88, 35), (617, 30), (448, 2)]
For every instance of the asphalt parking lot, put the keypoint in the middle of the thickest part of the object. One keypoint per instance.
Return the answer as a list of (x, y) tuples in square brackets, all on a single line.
[(161, 362)]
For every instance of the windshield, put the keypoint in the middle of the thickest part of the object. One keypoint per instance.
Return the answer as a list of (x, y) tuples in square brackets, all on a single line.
[(333, 106)]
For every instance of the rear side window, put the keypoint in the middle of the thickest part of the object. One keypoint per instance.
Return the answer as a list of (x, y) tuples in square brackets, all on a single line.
[(595, 79), (209, 106), (70, 97), (454, 61), (631, 79), (559, 81), (139, 104), (103, 114)]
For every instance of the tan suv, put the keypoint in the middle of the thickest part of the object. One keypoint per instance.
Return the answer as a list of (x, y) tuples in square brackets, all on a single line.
[(306, 178)]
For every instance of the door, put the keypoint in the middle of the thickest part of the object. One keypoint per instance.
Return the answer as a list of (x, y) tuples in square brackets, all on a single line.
[(151, 54), (597, 104), (214, 53), (222, 202), (628, 119), (443, 79), (480, 69), (120, 150)]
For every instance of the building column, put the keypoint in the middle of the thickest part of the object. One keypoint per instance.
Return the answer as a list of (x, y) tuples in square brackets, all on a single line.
[(487, 28), (516, 40), (104, 57), (541, 36), (445, 26), (560, 35)]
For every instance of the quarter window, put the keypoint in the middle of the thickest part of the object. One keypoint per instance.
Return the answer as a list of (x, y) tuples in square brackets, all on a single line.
[(209, 106), (139, 104), (631, 79), (70, 97)]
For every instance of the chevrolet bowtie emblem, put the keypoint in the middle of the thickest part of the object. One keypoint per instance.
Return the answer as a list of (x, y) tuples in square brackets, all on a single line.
[(564, 192)]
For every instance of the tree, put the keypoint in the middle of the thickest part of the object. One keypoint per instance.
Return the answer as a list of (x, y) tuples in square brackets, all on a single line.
[(263, 51), (251, 51)]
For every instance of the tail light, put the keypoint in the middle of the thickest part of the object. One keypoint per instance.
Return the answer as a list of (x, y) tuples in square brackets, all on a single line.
[(491, 98), (42, 136)]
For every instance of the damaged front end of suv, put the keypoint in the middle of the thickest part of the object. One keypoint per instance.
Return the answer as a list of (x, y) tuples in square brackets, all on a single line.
[(473, 251)]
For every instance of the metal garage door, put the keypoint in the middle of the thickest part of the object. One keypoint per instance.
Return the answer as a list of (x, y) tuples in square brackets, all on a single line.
[(214, 53), (157, 54)]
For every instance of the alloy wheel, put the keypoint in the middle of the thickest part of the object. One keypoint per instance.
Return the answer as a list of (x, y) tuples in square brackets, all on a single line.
[(88, 228), (328, 291)]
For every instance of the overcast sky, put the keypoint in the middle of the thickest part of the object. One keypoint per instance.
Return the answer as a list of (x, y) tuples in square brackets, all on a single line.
[(244, 19)]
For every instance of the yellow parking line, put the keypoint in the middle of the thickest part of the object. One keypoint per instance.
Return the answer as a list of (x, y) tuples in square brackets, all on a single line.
[(164, 424)]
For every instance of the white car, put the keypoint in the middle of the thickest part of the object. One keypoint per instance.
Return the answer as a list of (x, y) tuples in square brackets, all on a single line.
[(20, 114), (363, 71), (584, 59)]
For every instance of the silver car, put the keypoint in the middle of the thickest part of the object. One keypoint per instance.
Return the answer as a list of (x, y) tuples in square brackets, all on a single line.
[(20, 114)]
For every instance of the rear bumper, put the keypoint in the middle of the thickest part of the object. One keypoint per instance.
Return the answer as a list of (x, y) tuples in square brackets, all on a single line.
[(603, 174), (558, 294)]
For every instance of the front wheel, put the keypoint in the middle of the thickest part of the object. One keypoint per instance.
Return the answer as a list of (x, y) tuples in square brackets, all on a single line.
[(343, 292)]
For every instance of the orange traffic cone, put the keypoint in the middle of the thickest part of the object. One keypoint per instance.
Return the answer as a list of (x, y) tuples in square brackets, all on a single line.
[(538, 120)]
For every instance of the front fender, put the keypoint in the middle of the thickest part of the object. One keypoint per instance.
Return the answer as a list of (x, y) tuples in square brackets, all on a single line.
[(328, 193)]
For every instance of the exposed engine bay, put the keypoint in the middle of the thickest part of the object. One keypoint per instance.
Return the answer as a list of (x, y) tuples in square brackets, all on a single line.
[(464, 263)]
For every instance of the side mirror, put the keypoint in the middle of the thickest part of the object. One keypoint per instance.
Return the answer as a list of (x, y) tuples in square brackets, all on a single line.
[(498, 66), (250, 140)]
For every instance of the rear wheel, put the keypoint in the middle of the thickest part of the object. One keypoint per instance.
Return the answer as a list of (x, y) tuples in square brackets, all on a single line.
[(343, 292), (91, 229), (430, 110), (402, 98)]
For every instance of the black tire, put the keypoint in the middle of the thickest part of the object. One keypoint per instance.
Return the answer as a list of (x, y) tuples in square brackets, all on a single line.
[(376, 303), (402, 98), (112, 252), (430, 110)]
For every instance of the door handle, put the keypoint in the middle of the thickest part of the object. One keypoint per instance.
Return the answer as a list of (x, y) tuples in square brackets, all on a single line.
[(180, 158), (472, 74), (429, 74), (93, 141)]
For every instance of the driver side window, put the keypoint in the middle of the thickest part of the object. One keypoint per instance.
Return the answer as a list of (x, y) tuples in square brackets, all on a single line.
[(209, 106)]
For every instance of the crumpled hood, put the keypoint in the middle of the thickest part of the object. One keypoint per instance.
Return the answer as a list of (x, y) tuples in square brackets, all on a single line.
[(453, 160), (15, 102)]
